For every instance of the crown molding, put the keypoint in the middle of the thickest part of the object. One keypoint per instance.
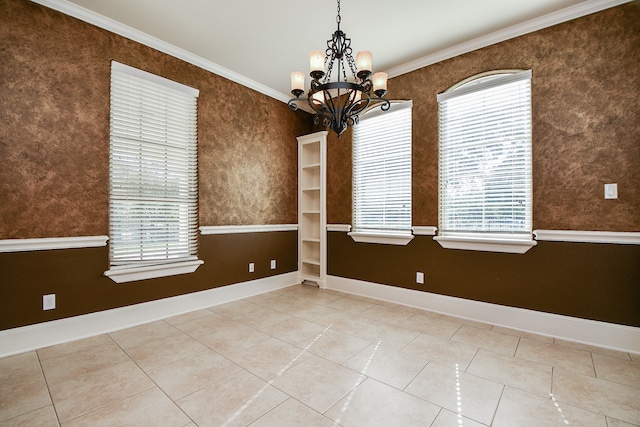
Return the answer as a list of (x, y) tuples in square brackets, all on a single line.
[(109, 24), (573, 12), (567, 14)]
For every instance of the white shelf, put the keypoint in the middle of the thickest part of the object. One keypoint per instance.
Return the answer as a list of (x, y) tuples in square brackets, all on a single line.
[(312, 218)]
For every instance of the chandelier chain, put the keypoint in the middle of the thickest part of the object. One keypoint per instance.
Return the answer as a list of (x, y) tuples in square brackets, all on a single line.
[(338, 18)]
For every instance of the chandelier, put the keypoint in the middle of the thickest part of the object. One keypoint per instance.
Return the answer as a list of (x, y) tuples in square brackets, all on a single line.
[(338, 104)]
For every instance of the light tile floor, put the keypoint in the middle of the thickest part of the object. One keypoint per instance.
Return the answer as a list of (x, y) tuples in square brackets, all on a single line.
[(303, 356)]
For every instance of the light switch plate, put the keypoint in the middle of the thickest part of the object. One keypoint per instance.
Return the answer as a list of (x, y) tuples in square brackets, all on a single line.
[(420, 277), (611, 191), (251, 267)]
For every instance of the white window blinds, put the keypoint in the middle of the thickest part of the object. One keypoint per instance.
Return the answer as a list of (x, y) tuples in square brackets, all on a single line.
[(153, 169), (382, 170), (485, 156)]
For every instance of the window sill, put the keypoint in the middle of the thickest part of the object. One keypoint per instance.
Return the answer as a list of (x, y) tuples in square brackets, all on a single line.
[(512, 246), (131, 274), (381, 238)]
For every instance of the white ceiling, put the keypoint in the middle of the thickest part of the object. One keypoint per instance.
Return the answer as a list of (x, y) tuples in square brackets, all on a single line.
[(262, 41)]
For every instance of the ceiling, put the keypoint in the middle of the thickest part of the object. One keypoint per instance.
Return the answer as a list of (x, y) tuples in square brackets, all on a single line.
[(259, 42)]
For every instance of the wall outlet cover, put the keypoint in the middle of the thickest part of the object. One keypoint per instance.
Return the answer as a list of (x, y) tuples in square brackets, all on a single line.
[(49, 302), (273, 264), (420, 277), (251, 267)]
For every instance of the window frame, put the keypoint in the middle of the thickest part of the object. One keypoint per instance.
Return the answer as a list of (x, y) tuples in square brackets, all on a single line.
[(508, 242), (390, 236), (175, 170)]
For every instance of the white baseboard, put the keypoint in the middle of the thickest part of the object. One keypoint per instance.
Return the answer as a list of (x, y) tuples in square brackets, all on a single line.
[(27, 338), (590, 332)]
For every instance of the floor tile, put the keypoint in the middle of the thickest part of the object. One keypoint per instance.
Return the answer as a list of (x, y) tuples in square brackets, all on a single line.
[(467, 322), (163, 351), (439, 350), (334, 345), (512, 371), (237, 400), (522, 334), (489, 340), (612, 422), (293, 330), (205, 325), (234, 308), (73, 346), (374, 404), (261, 317), (43, 417), (67, 367), (317, 382), (518, 408), (143, 334), (269, 358), (432, 326), (224, 340), (604, 397), (386, 365), (188, 317), (22, 386), (386, 314), (149, 408), (280, 303), (344, 322), (310, 311), (617, 370), (447, 418), (95, 390), (592, 348), (192, 373), (292, 413), (472, 397), (389, 335), (323, 298), (557, 356), (350, 305)]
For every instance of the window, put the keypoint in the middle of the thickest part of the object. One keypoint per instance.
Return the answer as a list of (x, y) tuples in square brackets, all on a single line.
[(153, 201), (382, 176), (485, 188)]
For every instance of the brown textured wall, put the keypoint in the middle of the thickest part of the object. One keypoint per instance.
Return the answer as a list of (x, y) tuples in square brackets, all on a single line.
[(586, 122), (585, 280), (54, 137), (54, 167), (75, 276), (586, 127)]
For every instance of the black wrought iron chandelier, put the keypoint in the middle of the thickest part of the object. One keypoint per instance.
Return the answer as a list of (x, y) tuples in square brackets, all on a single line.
[(338, 104)]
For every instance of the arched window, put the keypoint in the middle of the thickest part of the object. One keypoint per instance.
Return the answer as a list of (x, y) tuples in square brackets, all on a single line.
[(485, 174)]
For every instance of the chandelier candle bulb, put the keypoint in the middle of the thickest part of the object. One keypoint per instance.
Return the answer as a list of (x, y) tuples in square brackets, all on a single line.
[(380, 83), (297, 81), (364, 61), (316, 62)]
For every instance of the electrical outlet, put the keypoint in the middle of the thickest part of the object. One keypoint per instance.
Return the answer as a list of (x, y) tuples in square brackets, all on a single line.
[(420, 277), (273, 264), (49, 302), (251, 267)]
